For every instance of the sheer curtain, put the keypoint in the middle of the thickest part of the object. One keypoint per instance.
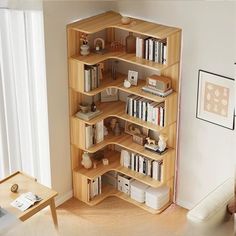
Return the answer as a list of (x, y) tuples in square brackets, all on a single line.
[(24, 138)]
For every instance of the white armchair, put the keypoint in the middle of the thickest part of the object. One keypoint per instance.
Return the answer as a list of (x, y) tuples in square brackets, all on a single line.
[(212, 210)]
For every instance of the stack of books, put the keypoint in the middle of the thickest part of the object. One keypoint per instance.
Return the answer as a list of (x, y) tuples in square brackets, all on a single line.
[(156, 92), (151, 49), (94, 134), (146, 110), (94, 188), (144, 165), (91, 77)]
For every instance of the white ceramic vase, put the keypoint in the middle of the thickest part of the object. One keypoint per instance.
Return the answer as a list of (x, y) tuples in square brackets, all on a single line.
[(84, 50), (86, 160)]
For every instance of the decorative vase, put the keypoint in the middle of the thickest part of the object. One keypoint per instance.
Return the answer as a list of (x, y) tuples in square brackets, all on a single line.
[(162, 142), (84, 50), (86, 160), (130, 43)]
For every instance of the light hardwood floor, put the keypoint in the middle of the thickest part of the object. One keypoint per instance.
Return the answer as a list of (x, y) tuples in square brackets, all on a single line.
[(112, 217)]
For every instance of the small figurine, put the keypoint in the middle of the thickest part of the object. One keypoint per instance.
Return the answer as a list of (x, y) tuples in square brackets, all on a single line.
[(151, 144)]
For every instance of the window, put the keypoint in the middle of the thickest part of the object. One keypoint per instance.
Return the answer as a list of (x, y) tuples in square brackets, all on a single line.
[(24, 138)]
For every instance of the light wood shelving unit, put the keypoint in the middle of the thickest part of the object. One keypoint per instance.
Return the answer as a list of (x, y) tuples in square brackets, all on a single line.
[(109, 22)]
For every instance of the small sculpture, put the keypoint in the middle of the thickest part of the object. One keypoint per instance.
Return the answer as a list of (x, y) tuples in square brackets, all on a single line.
[(162, 142), (86, 160), (14, 188), (150, 141), (99, 45)]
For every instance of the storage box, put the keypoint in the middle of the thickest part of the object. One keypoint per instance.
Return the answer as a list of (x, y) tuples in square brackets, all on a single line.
[(137, 190), (156, 198), (124, 183)]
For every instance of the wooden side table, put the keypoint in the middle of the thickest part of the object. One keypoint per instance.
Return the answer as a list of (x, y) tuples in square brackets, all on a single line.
[(26, 184)]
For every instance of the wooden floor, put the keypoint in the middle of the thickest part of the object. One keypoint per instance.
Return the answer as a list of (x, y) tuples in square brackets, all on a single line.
[(112, 217)]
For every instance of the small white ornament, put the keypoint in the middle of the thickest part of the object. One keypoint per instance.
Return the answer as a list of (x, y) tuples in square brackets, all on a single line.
[(86, 161), (127, 84), (162, 142)]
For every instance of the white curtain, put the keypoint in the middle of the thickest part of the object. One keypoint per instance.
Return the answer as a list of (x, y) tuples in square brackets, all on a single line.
[(24, 139)]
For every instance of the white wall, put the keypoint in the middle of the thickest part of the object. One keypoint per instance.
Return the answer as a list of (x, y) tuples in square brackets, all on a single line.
[(206, 151), (57, 14)]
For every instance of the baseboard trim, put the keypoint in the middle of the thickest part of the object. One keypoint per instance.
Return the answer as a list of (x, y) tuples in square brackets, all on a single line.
[(184, 204), (63, 198)]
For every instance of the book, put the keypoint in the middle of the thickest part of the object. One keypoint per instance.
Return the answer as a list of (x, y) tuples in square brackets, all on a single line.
[(99, 131), (88, 136), (156, 92), (88, 116)]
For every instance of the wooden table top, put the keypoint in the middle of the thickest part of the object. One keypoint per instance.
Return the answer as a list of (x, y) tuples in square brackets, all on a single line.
[(26, 184)]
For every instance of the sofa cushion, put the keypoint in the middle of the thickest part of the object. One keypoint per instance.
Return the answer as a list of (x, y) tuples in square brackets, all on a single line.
[(213, 202)]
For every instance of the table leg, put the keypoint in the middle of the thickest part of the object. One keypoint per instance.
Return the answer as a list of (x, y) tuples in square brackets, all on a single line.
[(53, 212)]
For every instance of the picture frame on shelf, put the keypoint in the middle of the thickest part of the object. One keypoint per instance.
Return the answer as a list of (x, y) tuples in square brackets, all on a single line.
[(133, 77), (215, 99), (133, 129)]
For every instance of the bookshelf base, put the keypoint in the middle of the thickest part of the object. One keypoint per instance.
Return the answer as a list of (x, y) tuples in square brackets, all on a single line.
[(109, 191)]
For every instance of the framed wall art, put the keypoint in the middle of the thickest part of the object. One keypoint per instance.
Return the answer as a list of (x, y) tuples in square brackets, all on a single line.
[(215, 99)]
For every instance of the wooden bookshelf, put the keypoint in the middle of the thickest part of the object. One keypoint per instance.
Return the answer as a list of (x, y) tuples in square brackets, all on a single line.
[(107, 24)]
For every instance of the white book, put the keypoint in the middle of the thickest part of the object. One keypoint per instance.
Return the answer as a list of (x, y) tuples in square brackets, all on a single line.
[(127, 160), (146, 49), (149, 169), (88, 136), (150, 47), (141, 47), (162, 116), (164, 54), (155, 170), (99, 184), (132, 161), (99, 134), (141, 159), (136, 162), (87, 80)]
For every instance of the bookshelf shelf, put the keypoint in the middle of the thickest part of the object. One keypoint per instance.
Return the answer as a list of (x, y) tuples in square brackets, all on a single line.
[(85, 73), (109, 191), (124, 141), (94, 58), (107, 82), (112, 19), (114, 164), (117, 109)]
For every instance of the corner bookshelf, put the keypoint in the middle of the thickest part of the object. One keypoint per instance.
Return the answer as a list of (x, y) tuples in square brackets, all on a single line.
[(107, 24)]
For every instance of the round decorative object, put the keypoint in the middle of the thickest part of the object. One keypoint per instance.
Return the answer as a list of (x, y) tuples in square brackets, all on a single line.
[(125, 20), (84, 50), (86, 160), (127, 84), (84, 107), (14, 188)]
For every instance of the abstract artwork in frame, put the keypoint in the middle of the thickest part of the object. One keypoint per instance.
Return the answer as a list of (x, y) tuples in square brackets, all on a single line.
[(215, 99)]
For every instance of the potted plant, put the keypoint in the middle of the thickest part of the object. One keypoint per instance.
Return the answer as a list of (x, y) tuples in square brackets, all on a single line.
[(84, 48)]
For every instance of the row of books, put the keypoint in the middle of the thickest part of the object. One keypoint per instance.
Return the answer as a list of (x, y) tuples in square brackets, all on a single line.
[(151, 49), (91, 77), (94, 134), (144, 165), (94, 188), (145, 109)]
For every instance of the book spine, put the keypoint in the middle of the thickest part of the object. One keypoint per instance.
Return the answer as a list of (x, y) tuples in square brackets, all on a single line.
[(146, 49), (150, 47), (137, 46)]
